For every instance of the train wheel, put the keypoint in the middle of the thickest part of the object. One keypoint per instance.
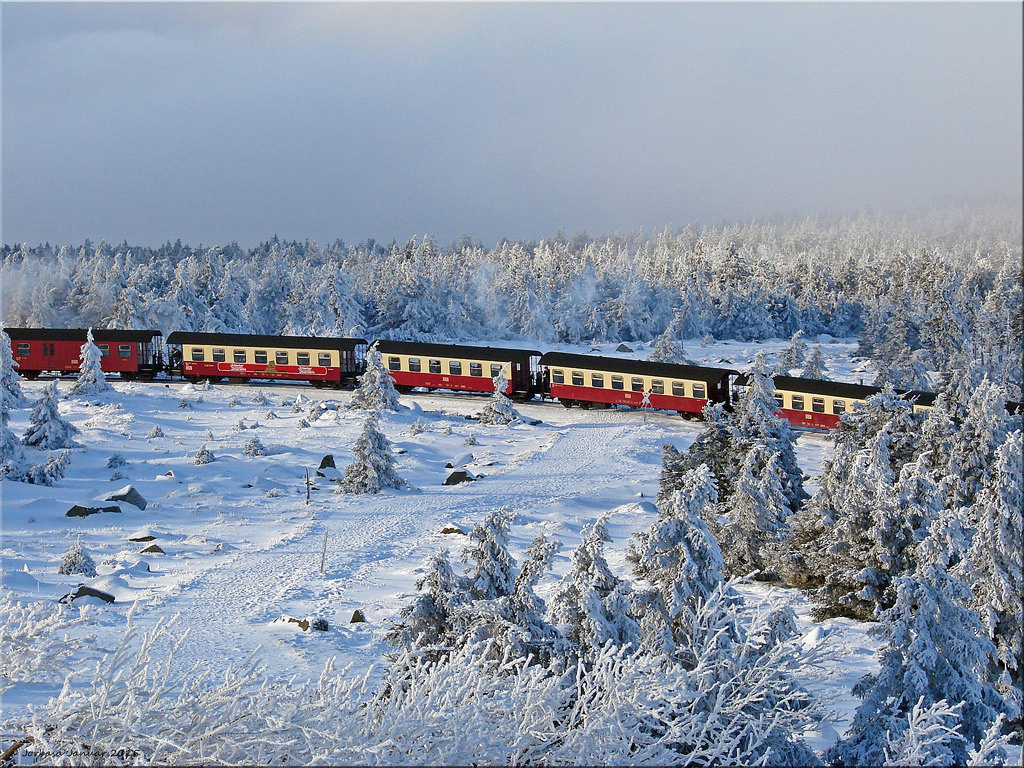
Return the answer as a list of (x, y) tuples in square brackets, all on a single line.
[(566, 403), (585, 405), (30, 375)]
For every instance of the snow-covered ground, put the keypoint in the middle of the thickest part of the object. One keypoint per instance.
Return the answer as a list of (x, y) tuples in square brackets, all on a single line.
[(241, 546)]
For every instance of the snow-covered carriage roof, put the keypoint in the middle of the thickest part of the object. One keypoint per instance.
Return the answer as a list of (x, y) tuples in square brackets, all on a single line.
[(461, 351), (256, 340), (643, 367), (79, 334)]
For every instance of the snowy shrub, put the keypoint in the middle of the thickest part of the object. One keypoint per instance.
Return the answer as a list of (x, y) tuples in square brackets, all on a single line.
[(210, 436), (270, 416), (185, 403), (260, 399), (376, 390), (33, 649), (315, 411), (301, 424), (118, 475), (204, 456), (240, 425), (50, 472), (417, 427), (254, 448), (499, 409), (471, 440), (373, 465), (814, 365), (91, 380), (77, 561), (233, 401), (156, 431), (446, 429), (48, 429), (115, 461)]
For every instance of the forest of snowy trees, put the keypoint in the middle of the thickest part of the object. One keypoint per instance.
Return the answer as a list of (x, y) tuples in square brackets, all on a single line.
[(916, 290)]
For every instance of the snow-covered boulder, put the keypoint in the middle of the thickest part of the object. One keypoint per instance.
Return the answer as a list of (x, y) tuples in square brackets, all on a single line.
[(127, 494)]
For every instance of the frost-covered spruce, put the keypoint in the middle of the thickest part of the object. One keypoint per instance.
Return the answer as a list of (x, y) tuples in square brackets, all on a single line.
[(667, 348), (269, 416), (934, 648), (430, 618), (48, 429), (91, 380), (470, 440), (417, 427), (373, 466), (493, 571), (10, 381), (203, 456), (793, 355), (77, 561), (302, 424), (260, 399), (814, 365), (50, 472), (115, 461), (755, 517), (13, 464), (156, 431), (755, 424), (185, 403), (241, 426), (499, 409), (254, 448), (972, 454), (316, 410), (234, 401), (678, 553), (376, 390), (994, 563), (588, 606)]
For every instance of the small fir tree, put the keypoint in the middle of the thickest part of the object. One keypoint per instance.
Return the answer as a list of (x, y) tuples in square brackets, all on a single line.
[(499, 409), (254, 448), (431, 617), (91, 380), (10, 381), (204, 456), (996, 572), (48, 429), (376, 390), (755, 517), (814, 365), (493, 572), (793, 355), (77, 561), (373, 465)]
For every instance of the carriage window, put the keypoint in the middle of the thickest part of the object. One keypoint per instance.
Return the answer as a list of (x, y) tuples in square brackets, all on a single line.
[(219, 356), (476, 369), (197, 354), (23, 349), (454, 367), (798, 402), (104, 349), (124, 350), (577, 378), (658, 387), (637, 384), (557, 376), (617, 382), (434, 365), (818, 405), (302, 358), (496, 370), (838, 406), (597, 380), (260, 355), (678, 389), (394, 363), (324, 359), (780, 400), (414, 364), (238, 355), (281, 357), (699, 391)]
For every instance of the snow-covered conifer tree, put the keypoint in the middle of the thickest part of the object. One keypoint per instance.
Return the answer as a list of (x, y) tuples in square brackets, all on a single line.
[(376, 390), (583, 602), (757, 425), (972, 455), (10, 381), (814, 365), (12, 456), (373, 466), (203, 456), (667, 348), (254, 447), (77, 561), (793, 355), (493, 571), (715, 447), (48, 429), (933, 648), (994, 564), (755, 516), (499, 409), (430, 618), (678, 554), (91, 380)]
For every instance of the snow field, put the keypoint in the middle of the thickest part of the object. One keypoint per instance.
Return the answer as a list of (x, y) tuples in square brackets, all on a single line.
[(241, 547)]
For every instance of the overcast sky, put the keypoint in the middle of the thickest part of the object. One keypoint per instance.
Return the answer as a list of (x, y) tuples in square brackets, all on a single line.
[(224, 122)]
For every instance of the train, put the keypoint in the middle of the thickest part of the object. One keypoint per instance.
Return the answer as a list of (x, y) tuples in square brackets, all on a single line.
[(574, 380)]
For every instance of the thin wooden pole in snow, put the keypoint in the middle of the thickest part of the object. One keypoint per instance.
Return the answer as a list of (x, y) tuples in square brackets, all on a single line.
[(307, 486), (323, 555)]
